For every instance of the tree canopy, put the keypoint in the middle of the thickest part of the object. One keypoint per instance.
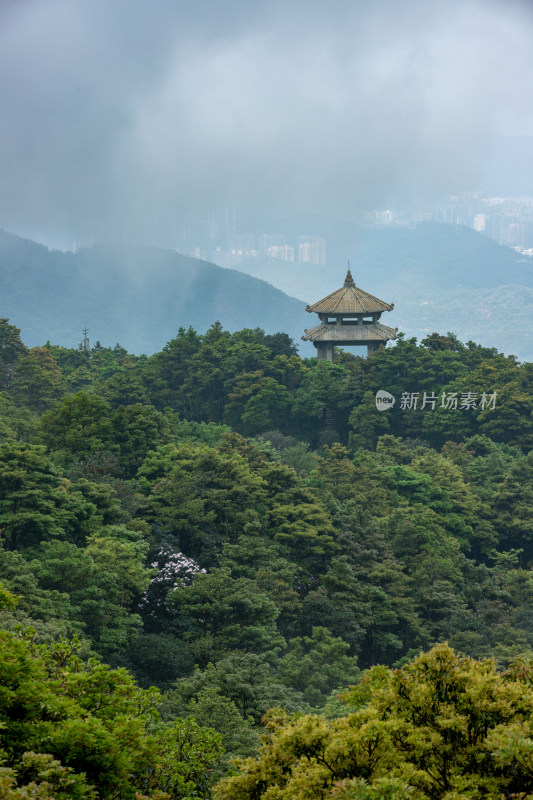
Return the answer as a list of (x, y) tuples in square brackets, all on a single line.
[(244, 529)]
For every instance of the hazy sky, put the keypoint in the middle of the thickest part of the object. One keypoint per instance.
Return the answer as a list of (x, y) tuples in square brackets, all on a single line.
[(118, 116)]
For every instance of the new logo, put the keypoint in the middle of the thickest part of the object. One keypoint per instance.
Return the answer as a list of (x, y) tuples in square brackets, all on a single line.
[(384, 400)]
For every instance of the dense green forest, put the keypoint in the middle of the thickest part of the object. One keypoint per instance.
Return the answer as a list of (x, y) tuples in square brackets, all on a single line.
[(243, 530)]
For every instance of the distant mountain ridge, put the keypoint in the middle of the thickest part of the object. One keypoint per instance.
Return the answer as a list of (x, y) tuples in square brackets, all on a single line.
[(440, 278), (137, 296)]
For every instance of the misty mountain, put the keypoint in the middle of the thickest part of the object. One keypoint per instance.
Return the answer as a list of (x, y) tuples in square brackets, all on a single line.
[(440, 277), (137, 296)]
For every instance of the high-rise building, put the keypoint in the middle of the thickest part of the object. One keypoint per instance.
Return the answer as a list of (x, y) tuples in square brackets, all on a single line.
[(312, 250)]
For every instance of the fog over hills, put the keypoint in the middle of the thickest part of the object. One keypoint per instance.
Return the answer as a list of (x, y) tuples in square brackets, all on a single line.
[(137, 296), (440, 278)]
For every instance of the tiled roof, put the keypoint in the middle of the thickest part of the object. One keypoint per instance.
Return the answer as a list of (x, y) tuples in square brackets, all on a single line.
[(346, 334), (350, 300)]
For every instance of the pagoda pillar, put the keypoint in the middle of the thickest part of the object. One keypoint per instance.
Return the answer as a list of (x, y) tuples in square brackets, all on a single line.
[(324, 351)]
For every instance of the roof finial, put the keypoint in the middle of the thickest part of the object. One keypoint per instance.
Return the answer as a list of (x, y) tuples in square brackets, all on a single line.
[(349, 281)]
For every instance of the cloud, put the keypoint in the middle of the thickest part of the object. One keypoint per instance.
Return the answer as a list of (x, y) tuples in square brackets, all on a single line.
[(119, 117)]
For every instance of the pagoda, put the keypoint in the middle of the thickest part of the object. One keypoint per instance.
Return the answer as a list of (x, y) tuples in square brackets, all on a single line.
[(349, 317)]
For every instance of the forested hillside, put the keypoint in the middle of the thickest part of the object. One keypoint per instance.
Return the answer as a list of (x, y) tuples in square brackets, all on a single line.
[(132, 295), (244, 530)]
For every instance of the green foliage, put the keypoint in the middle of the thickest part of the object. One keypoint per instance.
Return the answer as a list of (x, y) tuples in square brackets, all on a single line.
[(38, 776), (253, 558), (188, 761), (203, 496), (79, 425), (224, 614), (37, 380), (237, 574), (315, 665), (270, 405), (442, 726), (246, 679), (88, 731), (36, 503), (320, 389), (212, 710), (136, 430), (123, 388), (11, 349), (16, 422), (102, 581), (49, 613)]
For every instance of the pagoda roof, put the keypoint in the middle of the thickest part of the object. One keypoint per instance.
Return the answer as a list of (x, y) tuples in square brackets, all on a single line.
[(350, 334), (349, 299)]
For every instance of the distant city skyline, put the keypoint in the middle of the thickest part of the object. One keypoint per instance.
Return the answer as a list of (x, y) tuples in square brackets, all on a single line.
[(506, 220)]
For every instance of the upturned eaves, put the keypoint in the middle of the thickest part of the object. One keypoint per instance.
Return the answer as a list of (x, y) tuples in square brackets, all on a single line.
[(350, 299), (350, 334)]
